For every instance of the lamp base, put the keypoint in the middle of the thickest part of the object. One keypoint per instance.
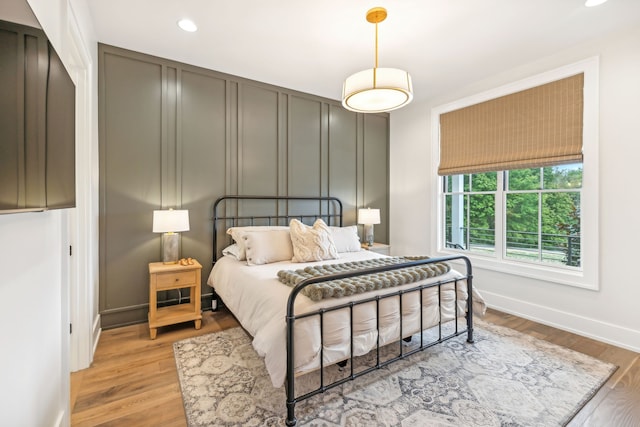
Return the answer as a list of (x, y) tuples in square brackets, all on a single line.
[(170, 243), (368, 234)]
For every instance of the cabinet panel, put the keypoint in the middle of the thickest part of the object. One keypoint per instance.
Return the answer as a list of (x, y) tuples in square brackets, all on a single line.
[(35, 71), (11, 150), (61, 128), (131, 177), (37, 123)]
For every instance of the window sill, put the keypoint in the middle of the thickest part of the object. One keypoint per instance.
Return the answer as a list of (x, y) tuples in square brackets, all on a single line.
[(564, 276)]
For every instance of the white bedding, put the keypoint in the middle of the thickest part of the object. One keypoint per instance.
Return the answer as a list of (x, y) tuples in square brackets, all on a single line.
[(256, 297)]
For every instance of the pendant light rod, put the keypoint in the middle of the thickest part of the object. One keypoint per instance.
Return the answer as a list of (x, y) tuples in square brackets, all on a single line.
[(376, 61), (375, 16), (375, 67)]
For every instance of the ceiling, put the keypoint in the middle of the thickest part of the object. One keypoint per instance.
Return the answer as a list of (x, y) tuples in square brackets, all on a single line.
[(311, 46)]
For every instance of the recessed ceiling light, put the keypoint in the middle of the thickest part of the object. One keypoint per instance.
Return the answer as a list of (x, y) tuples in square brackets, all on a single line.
[(187, 25), (591, 3)]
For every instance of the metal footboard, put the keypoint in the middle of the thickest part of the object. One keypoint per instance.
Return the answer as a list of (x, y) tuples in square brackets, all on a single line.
[(238, 210), (291, 318)]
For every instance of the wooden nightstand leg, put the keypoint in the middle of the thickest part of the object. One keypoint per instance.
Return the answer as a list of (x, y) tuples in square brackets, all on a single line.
[(198, 323), (153, 332)]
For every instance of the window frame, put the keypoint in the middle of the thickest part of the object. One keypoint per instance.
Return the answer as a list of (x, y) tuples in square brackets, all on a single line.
[(587, 276)]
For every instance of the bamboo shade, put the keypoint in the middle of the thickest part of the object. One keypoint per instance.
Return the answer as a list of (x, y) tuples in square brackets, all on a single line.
[(537, 127)]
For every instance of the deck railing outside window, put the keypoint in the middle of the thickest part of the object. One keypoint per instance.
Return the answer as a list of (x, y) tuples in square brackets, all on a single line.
[(553, 248)]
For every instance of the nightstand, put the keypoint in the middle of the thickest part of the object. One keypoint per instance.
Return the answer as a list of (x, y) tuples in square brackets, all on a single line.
[(164, 277), (380, 248)]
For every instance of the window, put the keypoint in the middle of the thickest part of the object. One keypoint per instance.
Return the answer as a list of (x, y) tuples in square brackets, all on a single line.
[(470, 211), (538, 222), (540, 208)]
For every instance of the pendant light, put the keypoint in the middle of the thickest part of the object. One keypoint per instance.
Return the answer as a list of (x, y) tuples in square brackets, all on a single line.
[(377, 89)]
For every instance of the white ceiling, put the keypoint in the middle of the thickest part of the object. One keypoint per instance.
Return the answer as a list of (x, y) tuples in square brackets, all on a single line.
[(311, 46), (18, 11)]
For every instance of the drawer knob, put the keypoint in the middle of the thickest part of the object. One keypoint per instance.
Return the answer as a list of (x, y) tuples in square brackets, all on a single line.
[(177, 280)]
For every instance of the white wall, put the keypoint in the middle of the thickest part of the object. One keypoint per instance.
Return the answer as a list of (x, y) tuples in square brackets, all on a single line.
[(34, 260), (610, 314), (32, 314)]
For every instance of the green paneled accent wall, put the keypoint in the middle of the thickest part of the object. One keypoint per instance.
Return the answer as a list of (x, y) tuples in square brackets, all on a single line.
[(376, 171), (343, 161), (258, 140), (177, 136), (202, 158)]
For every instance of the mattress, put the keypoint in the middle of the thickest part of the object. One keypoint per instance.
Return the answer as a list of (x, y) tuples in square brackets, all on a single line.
[(258, 300)]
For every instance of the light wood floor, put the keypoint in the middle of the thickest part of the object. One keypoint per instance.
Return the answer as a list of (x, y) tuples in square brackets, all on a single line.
[(133, 380)]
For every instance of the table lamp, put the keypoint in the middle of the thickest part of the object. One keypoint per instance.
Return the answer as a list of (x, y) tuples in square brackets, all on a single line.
[(170, 222), (368, 217)]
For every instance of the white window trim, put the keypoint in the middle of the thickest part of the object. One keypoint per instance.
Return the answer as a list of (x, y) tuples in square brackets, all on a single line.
[(588, 276)]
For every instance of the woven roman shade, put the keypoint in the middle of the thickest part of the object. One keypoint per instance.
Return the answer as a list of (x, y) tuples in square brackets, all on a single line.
[(537, 127)]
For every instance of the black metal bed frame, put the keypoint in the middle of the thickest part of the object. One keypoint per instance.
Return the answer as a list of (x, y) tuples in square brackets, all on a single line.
[(291, 317), (333, 214)]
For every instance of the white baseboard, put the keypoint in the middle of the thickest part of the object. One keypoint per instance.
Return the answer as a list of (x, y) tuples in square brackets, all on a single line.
[(588, 327), (61, 420), (97, 331)]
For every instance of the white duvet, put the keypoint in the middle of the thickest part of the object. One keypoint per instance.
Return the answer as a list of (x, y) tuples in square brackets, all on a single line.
[(258, 300)]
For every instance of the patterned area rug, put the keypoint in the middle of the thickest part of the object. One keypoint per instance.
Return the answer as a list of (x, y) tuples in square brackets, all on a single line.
[(505, 379)]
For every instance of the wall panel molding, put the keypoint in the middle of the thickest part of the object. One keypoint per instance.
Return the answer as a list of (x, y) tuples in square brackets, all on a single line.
[(202, 134)]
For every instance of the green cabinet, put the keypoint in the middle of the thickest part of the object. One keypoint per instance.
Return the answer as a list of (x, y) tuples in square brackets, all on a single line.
[(37, 123)]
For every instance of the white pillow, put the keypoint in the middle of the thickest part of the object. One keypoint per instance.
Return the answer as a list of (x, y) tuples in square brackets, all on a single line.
[(236, 234), (267, 246), (312, 243), (232, 251), (346, 239)]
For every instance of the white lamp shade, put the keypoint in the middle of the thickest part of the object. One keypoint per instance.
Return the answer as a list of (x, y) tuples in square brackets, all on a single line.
[(377, 90), (167, 221), (368, 216)]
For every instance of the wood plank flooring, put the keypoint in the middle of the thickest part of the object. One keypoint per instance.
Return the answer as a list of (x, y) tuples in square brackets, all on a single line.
[(133, 380)]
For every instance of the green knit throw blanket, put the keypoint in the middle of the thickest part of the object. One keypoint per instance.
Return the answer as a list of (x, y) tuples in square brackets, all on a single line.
[(360, 284)]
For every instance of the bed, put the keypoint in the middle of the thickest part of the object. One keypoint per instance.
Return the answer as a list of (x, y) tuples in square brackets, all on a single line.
[(308, 311)]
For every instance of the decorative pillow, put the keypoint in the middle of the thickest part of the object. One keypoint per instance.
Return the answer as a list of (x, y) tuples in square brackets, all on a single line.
[(267, 246), (312, 243), (346, 238), (232, 251), (236, 234)]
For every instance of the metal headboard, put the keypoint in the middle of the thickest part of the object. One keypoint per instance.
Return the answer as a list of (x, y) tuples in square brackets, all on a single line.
[(226, 211)]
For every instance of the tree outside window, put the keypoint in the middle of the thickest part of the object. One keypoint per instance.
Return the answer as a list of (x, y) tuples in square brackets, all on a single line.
[(538, 211)]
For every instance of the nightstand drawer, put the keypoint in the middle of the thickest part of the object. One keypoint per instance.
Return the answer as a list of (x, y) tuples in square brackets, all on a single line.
[(175, 279)]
